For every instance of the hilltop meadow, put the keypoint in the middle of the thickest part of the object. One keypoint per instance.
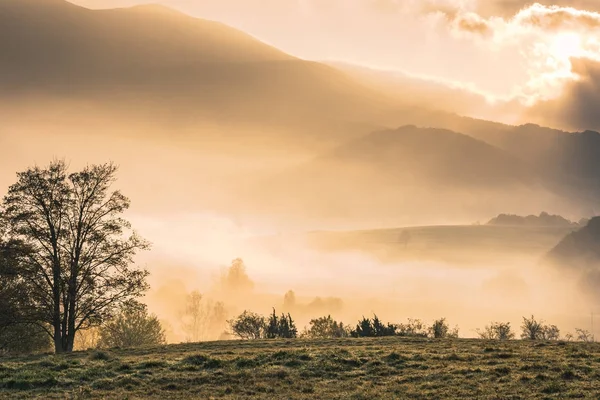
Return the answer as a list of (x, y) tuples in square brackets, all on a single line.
[(387, 368)]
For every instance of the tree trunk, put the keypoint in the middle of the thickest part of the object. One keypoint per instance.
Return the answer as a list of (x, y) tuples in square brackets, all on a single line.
[(70, 343), (57, 323), (58, 342), (70, 335)]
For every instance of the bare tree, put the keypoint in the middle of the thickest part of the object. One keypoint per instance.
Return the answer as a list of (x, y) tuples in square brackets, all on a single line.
[(79, 267), (202, 319), (497, 331), (584, 335), (533, 329)]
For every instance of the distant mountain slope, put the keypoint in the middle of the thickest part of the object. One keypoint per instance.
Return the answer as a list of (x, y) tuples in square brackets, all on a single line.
[(56, 40), (578, 255), (408, 171), (571, 160), (172, 63), (439, 156), (580, 249)]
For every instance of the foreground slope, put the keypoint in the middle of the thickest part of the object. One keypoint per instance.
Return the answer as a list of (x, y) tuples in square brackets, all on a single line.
[(386, 368)]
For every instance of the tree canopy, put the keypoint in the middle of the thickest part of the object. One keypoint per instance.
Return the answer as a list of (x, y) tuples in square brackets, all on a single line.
[(77, 267)]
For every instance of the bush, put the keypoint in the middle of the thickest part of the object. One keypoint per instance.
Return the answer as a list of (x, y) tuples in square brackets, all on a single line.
[(132, 327), (381, 329), (414, 327), (497, 331), (364, 328), (441, 330), (584, 336), (326, 328), (24, 339), (537, 330), (248, 325), (373, 328)]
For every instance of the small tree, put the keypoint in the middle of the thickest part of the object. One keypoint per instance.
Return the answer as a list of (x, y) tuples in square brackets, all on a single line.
[(364, 328), (551, 332), (280, 327), (326, 328), (287, 327), (248, 325), (272, 330), (373, 328), (569, 337), (193, 317), (532, 329), (583, 335), (537, 330), (381, 329), (441, 330), (497, 331), (414, 327), (202, 319), (132, 327)]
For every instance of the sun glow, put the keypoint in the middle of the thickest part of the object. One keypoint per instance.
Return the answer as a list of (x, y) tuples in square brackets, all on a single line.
[(567, 45)]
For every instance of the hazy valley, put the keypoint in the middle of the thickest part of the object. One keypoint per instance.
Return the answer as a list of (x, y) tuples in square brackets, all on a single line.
[(344, 190)]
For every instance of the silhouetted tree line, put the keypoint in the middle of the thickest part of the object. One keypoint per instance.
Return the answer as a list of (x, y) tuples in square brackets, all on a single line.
[(376, 328), (249, 325)]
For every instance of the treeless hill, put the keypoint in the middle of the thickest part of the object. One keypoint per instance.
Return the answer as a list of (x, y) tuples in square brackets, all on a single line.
[(166, 60)]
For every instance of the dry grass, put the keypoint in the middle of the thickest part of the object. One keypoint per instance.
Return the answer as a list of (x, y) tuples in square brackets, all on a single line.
[(388, 368)]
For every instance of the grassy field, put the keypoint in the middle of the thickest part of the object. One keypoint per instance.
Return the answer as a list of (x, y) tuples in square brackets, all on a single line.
[(388, 368)]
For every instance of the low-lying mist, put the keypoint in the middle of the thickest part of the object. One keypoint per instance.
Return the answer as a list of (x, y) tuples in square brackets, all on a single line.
[(184, 185), (350, 284)]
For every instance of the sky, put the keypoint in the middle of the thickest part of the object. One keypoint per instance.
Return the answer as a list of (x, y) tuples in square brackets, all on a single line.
[(540, 55)]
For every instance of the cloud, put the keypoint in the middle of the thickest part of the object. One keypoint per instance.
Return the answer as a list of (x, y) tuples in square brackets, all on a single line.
[(577, 107), (508, 8), (473, 23), (554, 18)]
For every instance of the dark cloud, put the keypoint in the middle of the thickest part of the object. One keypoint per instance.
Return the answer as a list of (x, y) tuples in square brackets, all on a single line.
[(472, 23), (556, 18), (578, 107)]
